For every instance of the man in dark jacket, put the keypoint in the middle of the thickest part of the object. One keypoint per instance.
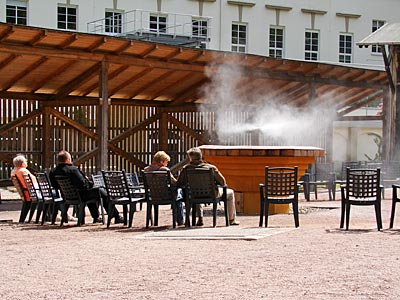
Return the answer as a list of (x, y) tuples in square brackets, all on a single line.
[(81, 182)]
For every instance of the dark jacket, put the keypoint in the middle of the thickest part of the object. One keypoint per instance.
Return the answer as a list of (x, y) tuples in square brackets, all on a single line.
[(78, 179)]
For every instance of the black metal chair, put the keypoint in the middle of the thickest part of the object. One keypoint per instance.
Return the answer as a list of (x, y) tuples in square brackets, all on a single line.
[(51, 200), (98, 181), (320, 174), (118, 193), (395, 200), (362, 188), (71, 196), (34, 195), (200, 188), (159, 191), (28, 206), (136, 188), (281, 187)]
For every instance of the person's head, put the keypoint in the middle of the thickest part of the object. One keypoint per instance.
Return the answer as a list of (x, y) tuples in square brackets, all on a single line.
[(63, 157), (161, 158), (20, 161), (194, 154)]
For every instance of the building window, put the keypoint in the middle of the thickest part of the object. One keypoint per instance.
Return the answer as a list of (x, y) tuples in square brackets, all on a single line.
[(239, 37), (276, 37), (113, 21), (311, 50), (345, 48), (66, 17), (376, 24), (17, 12), (158, 23), (199, 27)]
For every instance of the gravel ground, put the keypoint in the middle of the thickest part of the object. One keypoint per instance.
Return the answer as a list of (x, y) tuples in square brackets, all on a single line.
[(315, 261)]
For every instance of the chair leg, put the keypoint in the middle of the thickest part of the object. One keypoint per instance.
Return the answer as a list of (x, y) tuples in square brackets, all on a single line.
[(64, 214), (187, 214), (26, 206), (81, 214), (260, 223), (132, 209), (295, 206), (342, 215), (316, 191), (111, 207), (193, 214), (215, 214), (56, 206), (32, 211), (39, 211), (125, 213), (378, 215), (148, 214), (226, 213), (266, 209), (45, 211), (347, 215), (392, 213), (174, 215), (156, 211)]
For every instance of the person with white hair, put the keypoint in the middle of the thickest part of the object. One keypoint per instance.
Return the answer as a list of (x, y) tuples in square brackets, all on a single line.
[(20, 169)]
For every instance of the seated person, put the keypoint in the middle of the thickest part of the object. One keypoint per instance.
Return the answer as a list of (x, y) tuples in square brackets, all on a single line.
[(20, 169), (80, 181), (196, 161), (160, 163)]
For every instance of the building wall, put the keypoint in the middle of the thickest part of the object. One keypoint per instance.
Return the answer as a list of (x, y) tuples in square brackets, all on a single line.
[(43, 13)]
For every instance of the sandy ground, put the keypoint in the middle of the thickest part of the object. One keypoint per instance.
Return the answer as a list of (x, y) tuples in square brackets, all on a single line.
[(315, 261)]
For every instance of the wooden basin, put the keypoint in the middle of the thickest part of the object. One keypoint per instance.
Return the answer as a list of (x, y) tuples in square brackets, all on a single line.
[(244, 168)]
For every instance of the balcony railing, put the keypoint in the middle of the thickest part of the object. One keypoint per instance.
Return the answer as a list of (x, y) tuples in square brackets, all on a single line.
[(156, 26)]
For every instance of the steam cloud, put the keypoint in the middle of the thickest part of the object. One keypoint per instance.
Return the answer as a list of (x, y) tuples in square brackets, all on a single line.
[(263, 116)]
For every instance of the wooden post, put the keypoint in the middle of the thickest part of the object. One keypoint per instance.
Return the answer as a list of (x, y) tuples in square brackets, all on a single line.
[(163, 131), (396, 75), (47, 138), (102, 114), (386, 125)]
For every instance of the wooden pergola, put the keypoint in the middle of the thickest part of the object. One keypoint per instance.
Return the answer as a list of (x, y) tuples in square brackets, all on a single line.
[(136, 92)]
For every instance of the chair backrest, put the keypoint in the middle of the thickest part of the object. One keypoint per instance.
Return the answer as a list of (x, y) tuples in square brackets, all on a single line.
[(280, 181), (69, 192), (133, 179), (200, 183), (23, 192), (391, 170), (31, 187), (116, 184), (363, 183), (45, 187), (157, 185), (351, 165), (324, 171), (98, 181)]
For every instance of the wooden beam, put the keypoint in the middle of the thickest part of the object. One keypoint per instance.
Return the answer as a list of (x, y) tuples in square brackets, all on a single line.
[(68, 41), (124, 47), (162, 89), (57, 72), (129, 81), (24, 73), (134, 129), (20, 121), (360, 118), (8, 60), (46, 144), (362, 103), (192, 89), (7, 33), (110, 77), (186, 129), (88, 74), (127, 156), (97, 44), (40, 36), (151, 83), (87, 156), (78, 126)]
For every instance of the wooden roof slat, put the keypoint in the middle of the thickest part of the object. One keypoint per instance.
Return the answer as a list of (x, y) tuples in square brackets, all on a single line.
[(8, 60), (131, 79), (58, 71), (66, 89), (189, 91), (97, 44), (40, 36), (23, 73), (150, 83)]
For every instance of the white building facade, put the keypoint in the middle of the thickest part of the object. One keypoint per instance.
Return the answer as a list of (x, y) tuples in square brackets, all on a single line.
[(324, 30)]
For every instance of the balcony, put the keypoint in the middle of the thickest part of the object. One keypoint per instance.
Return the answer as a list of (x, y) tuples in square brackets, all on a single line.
[(161, 27)]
